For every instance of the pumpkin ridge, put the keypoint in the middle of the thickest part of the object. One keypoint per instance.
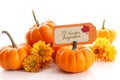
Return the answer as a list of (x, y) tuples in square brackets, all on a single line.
[(35, 35), (85, 58), (77, 60), (106, 34), (13, 60), (44, 29), (65, 59), (28, 39), (3, 57), (81, 58), (58, 60), (21, 54), (87, 55), (110, 35), (72, 61), (92, 55)]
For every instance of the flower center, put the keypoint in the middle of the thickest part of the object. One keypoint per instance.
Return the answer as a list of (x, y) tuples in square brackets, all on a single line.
[(41, 52), (96, 51), (33, 63)]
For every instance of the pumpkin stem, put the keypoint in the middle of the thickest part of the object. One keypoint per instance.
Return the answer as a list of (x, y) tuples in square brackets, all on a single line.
[(11, 39), (103, 26), (74, 45), (36, 21)]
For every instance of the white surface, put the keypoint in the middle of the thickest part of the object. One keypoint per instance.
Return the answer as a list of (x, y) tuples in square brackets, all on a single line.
[(16, 17)]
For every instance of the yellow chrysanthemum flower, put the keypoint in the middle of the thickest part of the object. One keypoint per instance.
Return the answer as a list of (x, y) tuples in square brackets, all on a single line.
[(44, 51), (32, 63), (41, 49), (103, 49)]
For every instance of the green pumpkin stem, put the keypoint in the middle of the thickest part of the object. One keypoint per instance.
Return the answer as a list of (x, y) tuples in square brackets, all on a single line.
[(103, 26), (11, 39), (36, 21), (74, 45)]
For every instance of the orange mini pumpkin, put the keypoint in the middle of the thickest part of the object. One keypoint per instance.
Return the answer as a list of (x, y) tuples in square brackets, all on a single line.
[(107, 33), (74, 60), (41, 31), (12, 56)]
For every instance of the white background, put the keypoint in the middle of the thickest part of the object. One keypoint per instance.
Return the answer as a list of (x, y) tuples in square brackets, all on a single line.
[(16, 17)]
